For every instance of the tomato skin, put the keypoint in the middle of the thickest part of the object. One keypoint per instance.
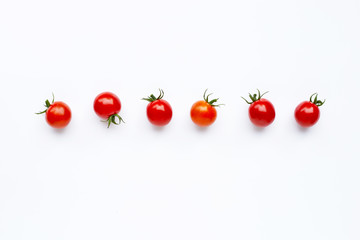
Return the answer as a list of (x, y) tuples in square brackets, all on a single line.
[(58, 115), (262, 112), (203, 114), (106, 104), (159, 112), (307, 114)]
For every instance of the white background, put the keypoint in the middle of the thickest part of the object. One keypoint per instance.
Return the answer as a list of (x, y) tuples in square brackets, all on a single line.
[(134, 181)]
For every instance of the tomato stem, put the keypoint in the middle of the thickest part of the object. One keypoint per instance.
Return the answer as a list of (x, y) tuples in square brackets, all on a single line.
[(211, 102), (255, 97), (152, 98), (112, 119), (47, 104), (316, 101)]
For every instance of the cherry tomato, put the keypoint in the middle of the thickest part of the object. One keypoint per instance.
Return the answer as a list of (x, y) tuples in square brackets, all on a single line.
[(107, 106), (57, 114), (261, 110), (307, 113), (203, 112), (159, 111)]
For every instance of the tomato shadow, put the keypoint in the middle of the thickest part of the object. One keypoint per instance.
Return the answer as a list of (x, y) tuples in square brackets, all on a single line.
[(302, 129), (201, 129), (59, 130), (158, 128), (258, 129)]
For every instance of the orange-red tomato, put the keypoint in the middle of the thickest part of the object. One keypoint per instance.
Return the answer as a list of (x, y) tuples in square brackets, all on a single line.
[(203, 114)]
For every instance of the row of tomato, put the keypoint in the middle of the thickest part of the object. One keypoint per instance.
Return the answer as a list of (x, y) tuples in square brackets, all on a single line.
[(203, 113)]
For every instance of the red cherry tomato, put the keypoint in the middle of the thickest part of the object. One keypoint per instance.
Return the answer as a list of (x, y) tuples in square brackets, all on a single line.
[(307, 113), (57, 114), (107, 106), (203, 112), (159, 111), (261, 111)]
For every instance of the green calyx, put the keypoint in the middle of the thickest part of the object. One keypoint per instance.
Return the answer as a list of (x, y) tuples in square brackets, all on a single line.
[(112, 119), (211, 102), (316, 101), (152, 98), (47, 104), (255, 97)]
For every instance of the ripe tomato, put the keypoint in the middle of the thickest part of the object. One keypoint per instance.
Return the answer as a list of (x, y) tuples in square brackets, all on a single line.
[(307, 113), (159, 111), (107, 106), (261, 110), (57, 114), (203, 112)]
